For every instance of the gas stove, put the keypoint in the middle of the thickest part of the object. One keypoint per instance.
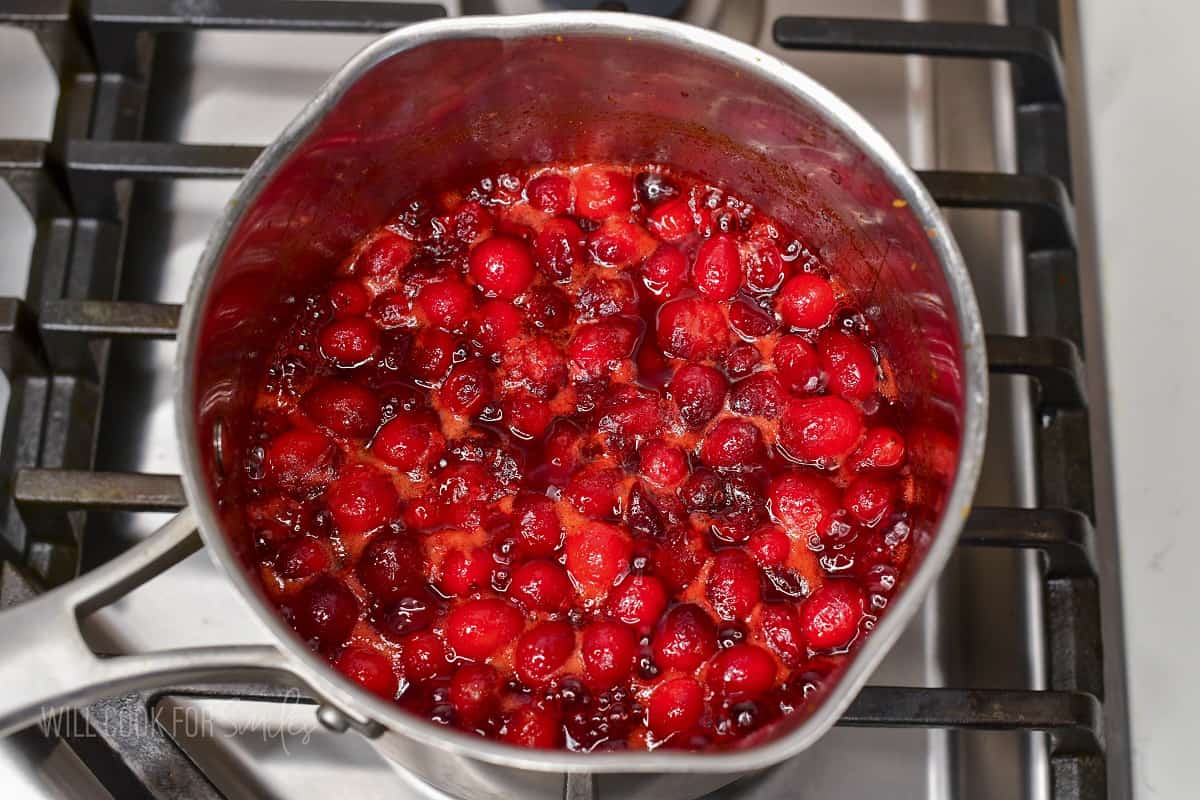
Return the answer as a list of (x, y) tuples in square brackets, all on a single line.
[(124, 125)]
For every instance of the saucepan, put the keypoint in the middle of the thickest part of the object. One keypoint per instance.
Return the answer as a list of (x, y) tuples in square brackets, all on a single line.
[(416, 110)]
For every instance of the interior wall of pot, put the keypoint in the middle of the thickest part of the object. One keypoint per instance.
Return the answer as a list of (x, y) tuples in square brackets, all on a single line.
[(445, 110)]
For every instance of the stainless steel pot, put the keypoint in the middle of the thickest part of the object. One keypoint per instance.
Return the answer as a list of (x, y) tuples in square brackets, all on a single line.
[(431, 103)]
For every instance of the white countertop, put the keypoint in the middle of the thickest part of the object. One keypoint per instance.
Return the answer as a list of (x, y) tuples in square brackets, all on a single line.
[(1142, 68)]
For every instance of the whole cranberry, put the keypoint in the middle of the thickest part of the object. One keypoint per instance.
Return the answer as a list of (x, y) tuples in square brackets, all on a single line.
[(869, 498), (597, 557), (662, 465), (325, 611), (760, 395), (593, 490), (343, 407), (601, 193), (539, 531), (301, 557), (743, 669), (769, 545), (386, 256), (474, 690), (631, 411), (478, 628), (299, 460), (638, 601), (802, 500), (849, 364), (409, 441), (732, 587), (540, 585), (830, 617), (798, 364), (349, 342), (601, 347), (370, 669), (805, 301), (673, 220), (542, 650), (424, 657), (362, 499), (693, 328), (675, 707), (390, 566), (732, 443), (495, 324), (550, 193), (465, 571), (348, 298), (447, 304), (558, 248), (531, 726), (820, 429), (528, 417), (699, 393), (717, 272), (764, 266), (502, 266), (431, 355), (685, 638), (780, 627), (608, 650), (468, 389), (665, 271), (882, 448)]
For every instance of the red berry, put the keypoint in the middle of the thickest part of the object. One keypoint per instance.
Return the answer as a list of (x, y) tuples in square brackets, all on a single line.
[(527, 416), (869, 499), (348, 298), (665, 271), (408, 442), (675, 707), (830, 617), (769, 545), (685, 638), (749, 320), (760, 395), (601, 347), (699, 394), (431, 354), (733, 585), (349, 342), (593, 491), (798, 365), (468, 389), (692, 328), (741, 359), (548, 308), (530, 726), (550, 193), (424, 657), (473, 693), (405, 615), (663, 465), (362, 499), (805, 301), (466, 571), (717, 273), (447, 304), (780, 627), (370, 669), (502, 266), (542, 650), (597, 557), (478, 628), (390, 567), (639, 600), (881, 448), (673, 220), (471, 223), (558, 248), (343, 407), (325, 611), (388, 255), (600, 193), (608, 650), (535, 365), (496, 323), (801, 501), (393, 310), (820, 429), (539, 532), (301, 557), (743, 669), (540, 585), (849, 364), (764, 266), (465, 489), (732, 443), (300, 460), (615, 243), (607, 297), (630, 411)]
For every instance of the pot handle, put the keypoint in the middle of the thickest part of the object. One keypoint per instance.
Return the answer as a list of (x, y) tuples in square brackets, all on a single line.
[(46, 665)]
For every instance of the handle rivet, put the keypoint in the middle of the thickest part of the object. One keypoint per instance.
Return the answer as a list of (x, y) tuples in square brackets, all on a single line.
[(332, 719)]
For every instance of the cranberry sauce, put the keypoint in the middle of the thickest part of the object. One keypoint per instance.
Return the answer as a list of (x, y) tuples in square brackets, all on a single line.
[(593, 457)]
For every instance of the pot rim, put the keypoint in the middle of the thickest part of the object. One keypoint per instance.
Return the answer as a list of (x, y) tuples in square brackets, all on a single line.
[(358, 704)]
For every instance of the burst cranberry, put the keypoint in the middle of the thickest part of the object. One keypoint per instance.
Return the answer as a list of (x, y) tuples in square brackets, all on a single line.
[(675, 707), (769, 545), (797, 362), (631, 412), (550, 193), (780, 627), (536, 365), (301, 557), (502, 266), (534, 727), (393, 310), (600, 193), (361, 500), (750, 321), (881, 448), (692, 328), (540, 586), (869, 498), (663, 465), (704, 491), (370, 669), (464, 489), (608, 650), (539, 531), (348, 298), (386, 256), (849, 364), (760, 395), (699, 393), (496, 323), (802, 500), (732, 585), (468, 389), (732, 443), (607, 297), (542, 650), (447, 304), (820, 429), (390, 566), (431, 354), (409, 441), (597, 556), (673, 220), (325, 611), (424, 657), (685, 639), (764, 267), (639, 600), (466, 571), (478, 628), (343, 407), (558, 248), (601, 347), (300, 460), (743, 669), (717, 272), (615, 243), (665, 271), (349, 342), (805, 301), (473, 691), (471, 223), (830, 617)]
